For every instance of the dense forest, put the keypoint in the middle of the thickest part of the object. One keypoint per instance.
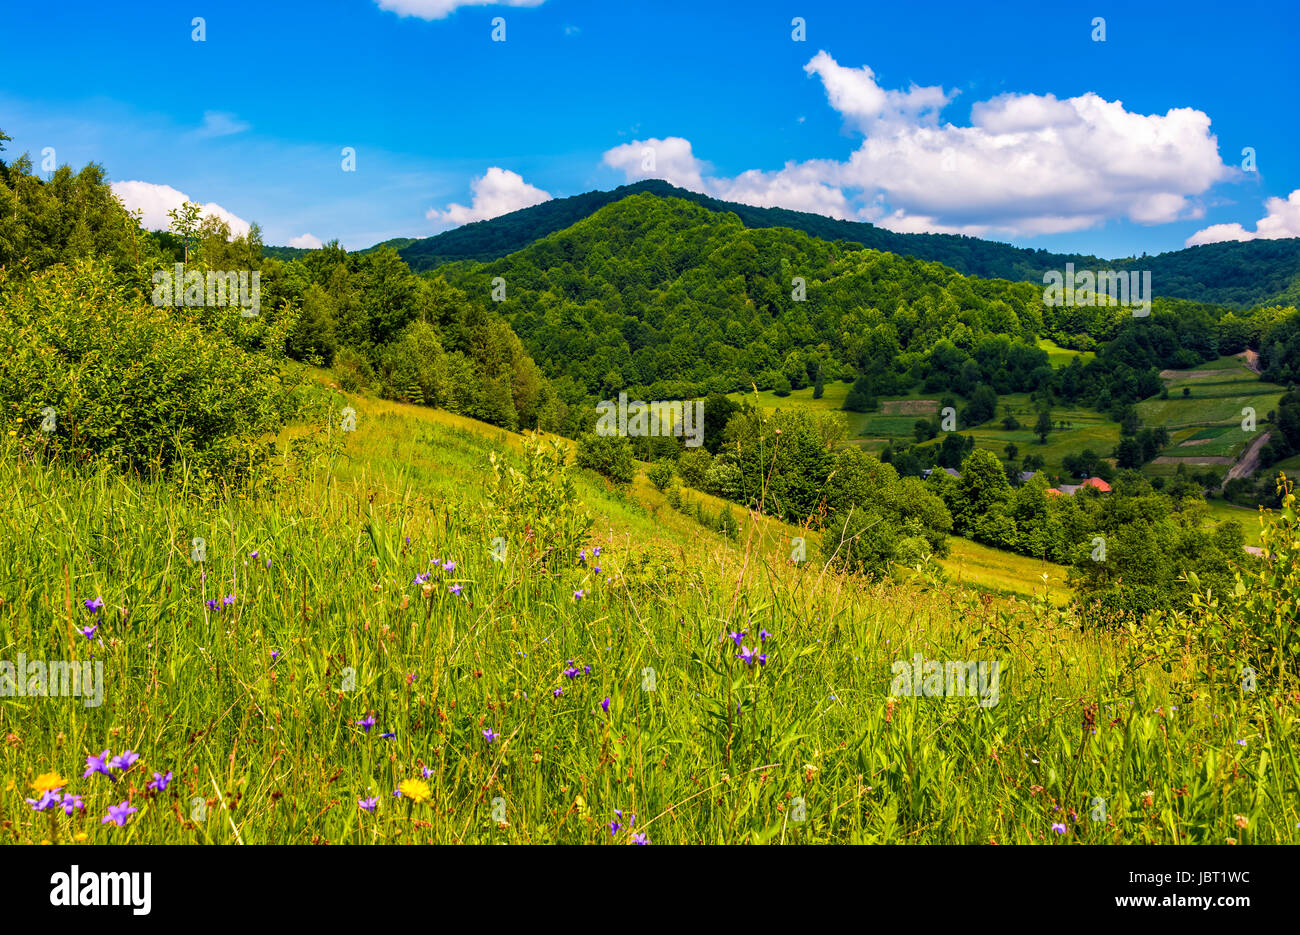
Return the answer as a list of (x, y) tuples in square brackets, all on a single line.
[(1238, 274)]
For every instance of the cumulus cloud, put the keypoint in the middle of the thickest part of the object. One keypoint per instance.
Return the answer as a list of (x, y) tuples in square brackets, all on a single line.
[(438, 9), (307, 241), (1026, 163), (496, 192), (1282, 220), (156, 200)]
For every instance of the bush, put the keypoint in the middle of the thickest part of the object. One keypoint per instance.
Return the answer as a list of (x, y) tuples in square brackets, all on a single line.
[(693, 466), (660, 474), (131, 385), (610, 455)]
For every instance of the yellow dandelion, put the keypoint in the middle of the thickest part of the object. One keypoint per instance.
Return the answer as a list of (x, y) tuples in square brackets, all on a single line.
[(417, 790), (48, 782), (80, 836)]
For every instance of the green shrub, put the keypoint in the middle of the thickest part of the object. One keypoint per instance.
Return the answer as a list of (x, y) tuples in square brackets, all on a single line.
[(610, 455), (660, 474), (130, 385)]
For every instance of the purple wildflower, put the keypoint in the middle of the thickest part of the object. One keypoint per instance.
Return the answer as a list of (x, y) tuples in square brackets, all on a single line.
[(388, 736), (159, 782), (123, 760), (119, 813), (420, 579), (557, 692), (737, 637), (746, 655), (47, 799), (450, 566), (763, 635), (88, 632), (604, 706), (72, 803), (369, 804), (97, 764), (489, 735), (94, 604), (455, 589), (1058, 827), (577, 595), (596, 551), (640, 838), (228, 599), (253, 554), (367, 722)]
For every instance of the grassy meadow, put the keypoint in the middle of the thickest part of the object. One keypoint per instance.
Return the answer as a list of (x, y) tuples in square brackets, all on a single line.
[(367, 636)]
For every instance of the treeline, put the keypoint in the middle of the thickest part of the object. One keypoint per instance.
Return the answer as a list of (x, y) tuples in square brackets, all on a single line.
[(107, 362)]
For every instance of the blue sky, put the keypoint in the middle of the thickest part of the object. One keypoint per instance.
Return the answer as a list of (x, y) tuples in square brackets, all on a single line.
[(1011, 123)]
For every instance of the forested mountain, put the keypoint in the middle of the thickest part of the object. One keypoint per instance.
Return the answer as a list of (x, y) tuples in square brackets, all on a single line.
[(1237, 274), (663, 295)]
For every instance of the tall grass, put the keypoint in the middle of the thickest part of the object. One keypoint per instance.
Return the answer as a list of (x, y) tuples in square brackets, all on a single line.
[(256, 706)]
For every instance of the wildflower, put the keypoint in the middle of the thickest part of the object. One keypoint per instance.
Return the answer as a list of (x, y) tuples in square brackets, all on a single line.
[(737, 637), (577, 595), (275, 654), (640, 838), (450, 566), (455, 589), (571, 671), (71, 803), (49, 782), (426, 772), (557, 692), (1058, 827), (88, 632), (762, 659), (604, 706), (489, 735), (159, 782), (388, 736), (367, 722), (96, 764), (763, 635), (211, 604), (417, 790), (420, 579), (123, 760), (253, 554), (596, 551), (94, 605), (1240, 821), (746, 655), (119, 813), (1241, 743), (47, 799), (597, 569), (410, 678), (368, 805), (268, 563), (228, 599), (586, 670)]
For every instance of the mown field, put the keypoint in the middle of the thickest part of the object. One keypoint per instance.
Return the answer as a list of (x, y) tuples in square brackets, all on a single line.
[(367, 635)]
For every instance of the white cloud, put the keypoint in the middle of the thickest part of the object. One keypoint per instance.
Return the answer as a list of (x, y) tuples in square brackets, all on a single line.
[(669, 159), (496, 192), (1282, 220), (437, 9), (1026, 164), (156, 200), (307, 241), (219, 123)]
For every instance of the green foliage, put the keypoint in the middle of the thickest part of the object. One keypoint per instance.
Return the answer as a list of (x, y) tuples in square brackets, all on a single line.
[(535, 506), (660, 474), (610, 455), (131, 385)]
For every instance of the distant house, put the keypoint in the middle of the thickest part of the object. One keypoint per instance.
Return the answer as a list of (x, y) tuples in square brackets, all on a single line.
[(951, 472), (1026, 476), (1070, 489)]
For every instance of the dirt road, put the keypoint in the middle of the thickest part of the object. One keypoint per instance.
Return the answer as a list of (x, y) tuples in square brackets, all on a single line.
[(1249, 460)]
